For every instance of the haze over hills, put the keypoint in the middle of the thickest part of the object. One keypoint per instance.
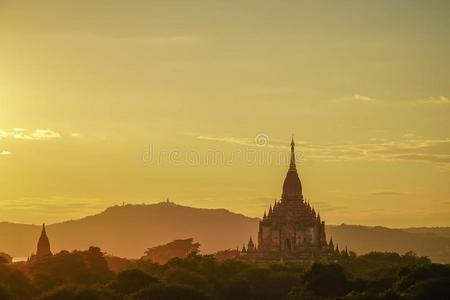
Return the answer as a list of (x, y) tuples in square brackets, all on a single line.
[(440, 231), (130, 229), (363, 239)]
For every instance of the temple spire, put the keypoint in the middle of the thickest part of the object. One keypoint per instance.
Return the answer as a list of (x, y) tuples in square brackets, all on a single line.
[(250, 245), (292, 165), (292, 187), (43, 247)]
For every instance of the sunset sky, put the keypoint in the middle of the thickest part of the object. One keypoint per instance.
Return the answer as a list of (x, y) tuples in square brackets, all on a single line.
[(104, 102)]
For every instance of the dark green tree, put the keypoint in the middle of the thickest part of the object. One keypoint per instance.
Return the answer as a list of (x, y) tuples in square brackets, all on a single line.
[(130, 281), (170, 292), (326, 280)]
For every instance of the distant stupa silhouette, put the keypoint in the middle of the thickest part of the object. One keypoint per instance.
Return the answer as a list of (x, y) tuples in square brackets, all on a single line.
[(43, 246)]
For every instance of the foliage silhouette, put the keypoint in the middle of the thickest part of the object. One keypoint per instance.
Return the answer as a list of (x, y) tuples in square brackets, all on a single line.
[(85, 275)]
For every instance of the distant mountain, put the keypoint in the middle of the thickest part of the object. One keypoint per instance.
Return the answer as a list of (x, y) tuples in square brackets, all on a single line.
[(362, 239), (439, 231), (130, 230)]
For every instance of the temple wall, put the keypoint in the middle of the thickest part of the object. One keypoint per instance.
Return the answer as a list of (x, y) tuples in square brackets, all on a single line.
[(275, 239)]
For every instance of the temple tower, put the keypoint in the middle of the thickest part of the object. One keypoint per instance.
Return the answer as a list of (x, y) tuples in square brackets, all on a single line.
[(292, 230), (43, 246), (292, 186)]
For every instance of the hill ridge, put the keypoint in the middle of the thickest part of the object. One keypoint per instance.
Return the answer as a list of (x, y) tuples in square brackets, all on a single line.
[(128, 230)]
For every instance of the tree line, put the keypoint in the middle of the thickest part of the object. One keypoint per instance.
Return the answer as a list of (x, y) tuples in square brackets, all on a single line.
[(86, 275)]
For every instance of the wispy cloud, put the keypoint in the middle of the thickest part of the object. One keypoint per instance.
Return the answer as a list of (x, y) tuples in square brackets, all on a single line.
[(257, 141), (228, 139), (386, 193), (362, 98), (25, 134), (5, 152), (359, 98), (356, 98), (406, 148), (176, 39), (437, 100), (322, 206), (41, 134)]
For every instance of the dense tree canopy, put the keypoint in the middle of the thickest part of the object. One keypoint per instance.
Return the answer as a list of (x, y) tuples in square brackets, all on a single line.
[(85, 275)]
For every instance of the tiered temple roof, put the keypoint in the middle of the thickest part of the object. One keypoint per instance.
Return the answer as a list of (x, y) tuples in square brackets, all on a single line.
[(292, 228)]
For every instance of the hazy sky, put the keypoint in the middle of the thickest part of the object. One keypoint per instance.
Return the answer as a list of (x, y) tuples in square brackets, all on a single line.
[(104, 102)]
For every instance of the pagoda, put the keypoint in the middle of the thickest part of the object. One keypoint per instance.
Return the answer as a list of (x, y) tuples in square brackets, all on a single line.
[(43, 246), (291, 230)]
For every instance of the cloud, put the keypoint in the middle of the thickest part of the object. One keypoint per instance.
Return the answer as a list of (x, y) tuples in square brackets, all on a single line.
[(409, 135), (386, 193), (372, 210), (257, 141), (75, 134), (407, 148), (25, 134), (362, 98), (5, 152), (45, 134), (357, 98), (176, 39), (227, 139), (438, 100), (322, 206)]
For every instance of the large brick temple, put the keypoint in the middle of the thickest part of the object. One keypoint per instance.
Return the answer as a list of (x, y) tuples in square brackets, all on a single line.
[(291, 230)]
